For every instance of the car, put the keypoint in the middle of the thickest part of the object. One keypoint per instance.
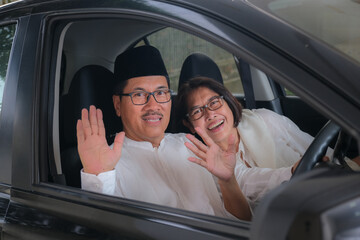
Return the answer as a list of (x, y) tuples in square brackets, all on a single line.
[(300, 59)]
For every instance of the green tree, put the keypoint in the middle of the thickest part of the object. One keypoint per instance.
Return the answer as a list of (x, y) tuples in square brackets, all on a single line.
[(6, 39)]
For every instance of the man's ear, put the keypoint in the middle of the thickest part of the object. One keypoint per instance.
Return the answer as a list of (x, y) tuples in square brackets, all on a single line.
[(189, 126), (116, 102)]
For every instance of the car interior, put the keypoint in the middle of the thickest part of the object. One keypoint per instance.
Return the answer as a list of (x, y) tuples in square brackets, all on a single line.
[(84, 76)]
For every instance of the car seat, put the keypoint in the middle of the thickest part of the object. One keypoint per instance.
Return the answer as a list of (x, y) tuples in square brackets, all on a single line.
[(91, 85), (198, 64)]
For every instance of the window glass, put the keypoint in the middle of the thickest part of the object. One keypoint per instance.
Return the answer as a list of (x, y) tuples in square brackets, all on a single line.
[(6, 39), (334, 22), (288, 92), (176, 45)]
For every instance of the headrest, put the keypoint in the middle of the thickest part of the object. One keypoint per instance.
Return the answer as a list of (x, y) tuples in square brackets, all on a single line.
[(91, 85), (198, 64)]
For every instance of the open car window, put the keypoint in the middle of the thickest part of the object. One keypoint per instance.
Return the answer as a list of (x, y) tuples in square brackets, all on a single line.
[(84, 62)]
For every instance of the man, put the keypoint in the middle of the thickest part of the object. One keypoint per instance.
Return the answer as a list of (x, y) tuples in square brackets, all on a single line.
[(145, 163)]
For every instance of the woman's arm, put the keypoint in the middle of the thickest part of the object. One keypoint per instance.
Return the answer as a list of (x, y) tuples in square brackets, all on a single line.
[(234, 200), (221, 163)]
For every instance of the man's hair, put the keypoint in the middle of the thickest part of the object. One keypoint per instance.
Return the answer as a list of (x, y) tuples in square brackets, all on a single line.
[(181, 101)]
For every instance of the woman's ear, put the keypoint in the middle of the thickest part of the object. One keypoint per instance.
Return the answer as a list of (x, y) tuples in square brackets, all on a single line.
[(116, 102), (189, 126)]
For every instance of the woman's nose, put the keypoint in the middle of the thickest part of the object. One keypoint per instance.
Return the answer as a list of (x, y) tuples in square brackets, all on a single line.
[(209, 115)]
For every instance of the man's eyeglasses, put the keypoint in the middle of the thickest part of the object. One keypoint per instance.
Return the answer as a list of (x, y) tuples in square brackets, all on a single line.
[(142, 97), (214, 103)]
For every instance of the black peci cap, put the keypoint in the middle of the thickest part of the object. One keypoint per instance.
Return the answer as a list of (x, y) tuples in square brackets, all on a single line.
[(139, 62)]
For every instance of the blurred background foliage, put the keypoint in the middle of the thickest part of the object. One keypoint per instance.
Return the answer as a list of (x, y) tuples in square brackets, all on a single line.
[(2, 2), (176, 45), (6, 39)]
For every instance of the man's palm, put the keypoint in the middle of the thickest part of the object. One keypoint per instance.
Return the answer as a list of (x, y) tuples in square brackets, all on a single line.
[(95, 154)]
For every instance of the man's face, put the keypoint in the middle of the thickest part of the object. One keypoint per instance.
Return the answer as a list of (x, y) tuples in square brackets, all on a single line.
[(144, 122)]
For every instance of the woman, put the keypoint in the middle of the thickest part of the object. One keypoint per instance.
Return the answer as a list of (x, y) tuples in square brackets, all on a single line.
[(263, 138), (258, 138)]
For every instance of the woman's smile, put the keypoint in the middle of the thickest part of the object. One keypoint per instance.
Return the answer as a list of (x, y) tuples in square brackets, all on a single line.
[(216, 125)]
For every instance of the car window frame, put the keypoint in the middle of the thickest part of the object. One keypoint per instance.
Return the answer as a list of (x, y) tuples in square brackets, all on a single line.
[(239, 228)]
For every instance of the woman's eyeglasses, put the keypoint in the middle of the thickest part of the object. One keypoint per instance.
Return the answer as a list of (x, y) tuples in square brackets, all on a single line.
[(214, 103)]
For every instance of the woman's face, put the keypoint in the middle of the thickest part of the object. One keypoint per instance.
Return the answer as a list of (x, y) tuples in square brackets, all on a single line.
[(218, 124)]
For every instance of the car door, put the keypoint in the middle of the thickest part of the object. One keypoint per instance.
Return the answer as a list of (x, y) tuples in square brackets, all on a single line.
[(57, 38)]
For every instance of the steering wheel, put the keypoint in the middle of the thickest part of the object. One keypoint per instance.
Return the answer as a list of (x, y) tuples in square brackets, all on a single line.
[(318, 147)]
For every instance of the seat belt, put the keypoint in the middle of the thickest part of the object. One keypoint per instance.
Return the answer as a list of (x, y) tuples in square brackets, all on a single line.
[(57, 177), (245, 74)]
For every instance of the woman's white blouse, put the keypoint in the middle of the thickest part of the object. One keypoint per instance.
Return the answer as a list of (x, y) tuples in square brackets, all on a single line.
[(271, 140)]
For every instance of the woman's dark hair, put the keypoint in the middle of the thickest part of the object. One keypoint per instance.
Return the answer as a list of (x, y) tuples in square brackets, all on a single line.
[(181, 101)]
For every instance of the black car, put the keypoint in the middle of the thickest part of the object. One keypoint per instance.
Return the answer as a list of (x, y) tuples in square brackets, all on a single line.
[(300, 59)]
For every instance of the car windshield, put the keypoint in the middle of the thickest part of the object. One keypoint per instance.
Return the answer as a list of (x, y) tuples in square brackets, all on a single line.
[(334, 22)]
